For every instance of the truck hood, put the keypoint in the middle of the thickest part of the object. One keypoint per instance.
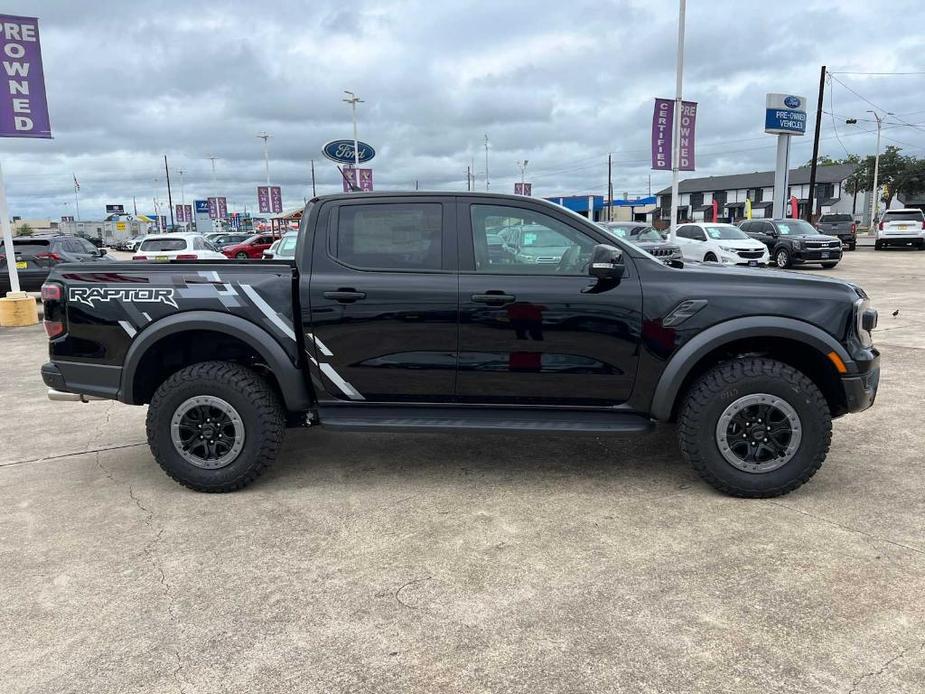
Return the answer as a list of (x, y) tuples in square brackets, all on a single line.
[(769, 278)]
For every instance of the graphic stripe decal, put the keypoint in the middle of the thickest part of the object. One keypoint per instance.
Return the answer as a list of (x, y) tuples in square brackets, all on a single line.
[(321, 346), (128, 327), (336, 379), (268, 311)]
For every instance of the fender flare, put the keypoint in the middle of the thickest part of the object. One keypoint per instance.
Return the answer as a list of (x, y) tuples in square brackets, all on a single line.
[(681, 363), (290, 378)]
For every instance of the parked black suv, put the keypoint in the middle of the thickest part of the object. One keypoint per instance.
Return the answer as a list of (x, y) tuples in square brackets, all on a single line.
[(794, 241), (397, 315), (646, 237), (37, 255)]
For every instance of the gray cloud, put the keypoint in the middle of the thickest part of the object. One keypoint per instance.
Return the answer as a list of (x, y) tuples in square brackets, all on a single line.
[(560, 84)]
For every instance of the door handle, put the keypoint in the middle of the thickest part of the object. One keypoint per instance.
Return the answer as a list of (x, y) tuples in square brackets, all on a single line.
[(494, 298), (345, 296)]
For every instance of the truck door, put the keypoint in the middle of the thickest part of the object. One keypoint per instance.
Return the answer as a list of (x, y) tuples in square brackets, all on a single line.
[(382, 307), (528, 332)]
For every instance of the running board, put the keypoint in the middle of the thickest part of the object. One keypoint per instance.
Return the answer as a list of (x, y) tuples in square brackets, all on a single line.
[(432, 419)]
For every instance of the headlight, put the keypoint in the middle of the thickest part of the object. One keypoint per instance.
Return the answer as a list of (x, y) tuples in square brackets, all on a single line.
[(865, 320), (797, 244), (727, 249)]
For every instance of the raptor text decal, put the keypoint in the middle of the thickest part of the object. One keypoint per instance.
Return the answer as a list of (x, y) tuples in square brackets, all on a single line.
[(135, 295)]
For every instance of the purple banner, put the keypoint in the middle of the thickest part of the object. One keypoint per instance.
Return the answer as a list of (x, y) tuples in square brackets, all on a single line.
[(523, 189), (213, 208), (222, 208), (179, 213), (263, 199), (350, 179), (23, 104), (662, 129), (688, 125), (188, 212), (276, 199)]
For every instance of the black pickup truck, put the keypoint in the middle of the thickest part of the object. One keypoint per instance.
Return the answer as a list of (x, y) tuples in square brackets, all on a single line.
[(397, 315)]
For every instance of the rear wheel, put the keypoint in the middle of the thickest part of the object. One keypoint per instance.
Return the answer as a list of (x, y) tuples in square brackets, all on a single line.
[(755, 427), (878, 245), (782, 257), (852, 246), (241, 256), (215, 426)]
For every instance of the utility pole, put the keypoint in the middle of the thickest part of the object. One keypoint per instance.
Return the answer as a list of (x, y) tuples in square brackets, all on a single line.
[(353, 100), (135, 205), (468, 179), (314, 194), (265, 136), (487, 182), (812, 171), (676, 141), (415, 184), (169, 195), (610, 187), (874, 202), (76, 197), (182, 197)]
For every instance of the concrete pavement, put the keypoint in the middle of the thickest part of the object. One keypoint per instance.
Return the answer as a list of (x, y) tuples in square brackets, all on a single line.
[(437, 563)]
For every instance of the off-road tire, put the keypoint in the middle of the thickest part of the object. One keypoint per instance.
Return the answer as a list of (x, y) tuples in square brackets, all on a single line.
[(714, 391), (710, 258), (778, 254), (828, 266), (255, 401)]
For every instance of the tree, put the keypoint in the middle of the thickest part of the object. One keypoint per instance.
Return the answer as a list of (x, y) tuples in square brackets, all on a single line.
[(24, 230)]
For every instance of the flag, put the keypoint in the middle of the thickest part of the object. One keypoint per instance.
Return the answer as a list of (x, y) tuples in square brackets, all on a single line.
[(748, 208), (76, 184)]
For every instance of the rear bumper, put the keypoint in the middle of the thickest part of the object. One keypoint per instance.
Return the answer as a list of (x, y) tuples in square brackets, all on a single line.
[(861, 389), (95, 381)]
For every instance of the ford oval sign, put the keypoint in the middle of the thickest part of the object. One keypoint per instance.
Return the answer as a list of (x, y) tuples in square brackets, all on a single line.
[(792, 102), (341, 151)]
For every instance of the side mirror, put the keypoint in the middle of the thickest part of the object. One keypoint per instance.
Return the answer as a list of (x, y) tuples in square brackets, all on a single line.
[(606, 263), (101, 252)]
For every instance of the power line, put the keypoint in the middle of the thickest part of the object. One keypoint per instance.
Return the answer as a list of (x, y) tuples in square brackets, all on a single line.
[(834, 126), (847, 72)]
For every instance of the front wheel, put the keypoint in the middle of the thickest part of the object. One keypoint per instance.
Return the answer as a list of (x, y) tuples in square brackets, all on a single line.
[(241, 256), (755, 427), (215, 426), (709, 258), (782, 258)]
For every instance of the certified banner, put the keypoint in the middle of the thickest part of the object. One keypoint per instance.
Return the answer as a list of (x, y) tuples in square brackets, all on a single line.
[(263, 199), (276, 199), (663, 135), (222, 208), (23, 104)]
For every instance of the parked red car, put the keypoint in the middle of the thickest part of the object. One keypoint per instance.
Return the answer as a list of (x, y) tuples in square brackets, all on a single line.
[(252, 248)]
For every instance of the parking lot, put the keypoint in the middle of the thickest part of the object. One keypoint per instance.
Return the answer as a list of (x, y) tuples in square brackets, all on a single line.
[(426, 563)]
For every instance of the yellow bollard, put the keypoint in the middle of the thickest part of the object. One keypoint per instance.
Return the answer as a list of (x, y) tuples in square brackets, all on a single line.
[(18, 309)]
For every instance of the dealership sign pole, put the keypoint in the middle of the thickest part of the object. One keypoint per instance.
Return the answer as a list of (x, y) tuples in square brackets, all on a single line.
[(23, 108), (784, 115)]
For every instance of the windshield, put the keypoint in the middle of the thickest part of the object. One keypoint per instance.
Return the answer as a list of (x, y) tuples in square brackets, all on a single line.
[(796, 227), (163, 245), (835, 218), (648, 234), (725, 232)]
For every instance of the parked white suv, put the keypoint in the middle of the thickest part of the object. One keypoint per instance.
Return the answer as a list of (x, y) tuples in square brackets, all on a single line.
[(164, 247), (901, 228), (720, 243)]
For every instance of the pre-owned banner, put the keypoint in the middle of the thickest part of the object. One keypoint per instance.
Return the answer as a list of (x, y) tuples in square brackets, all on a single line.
[(23, 104), (663, 135)]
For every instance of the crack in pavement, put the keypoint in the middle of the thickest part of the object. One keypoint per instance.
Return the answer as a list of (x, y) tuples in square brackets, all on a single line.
[(847, 528), (68, 455), (883, 668), (405, 585)]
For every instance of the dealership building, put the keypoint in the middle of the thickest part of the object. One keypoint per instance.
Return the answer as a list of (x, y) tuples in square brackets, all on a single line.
[(730, 193)]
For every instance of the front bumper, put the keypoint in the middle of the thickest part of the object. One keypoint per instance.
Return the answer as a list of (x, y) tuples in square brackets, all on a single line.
[(861, 389), (817, 255)]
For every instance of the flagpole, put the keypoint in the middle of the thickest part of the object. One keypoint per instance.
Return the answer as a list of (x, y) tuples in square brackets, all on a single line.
[(8, 238), (676, 140)]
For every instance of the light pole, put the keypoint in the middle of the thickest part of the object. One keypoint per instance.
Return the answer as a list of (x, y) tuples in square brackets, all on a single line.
[(676, 139), (265, 136), (182, 198), (353, 100), (487, 182), (523, 174)]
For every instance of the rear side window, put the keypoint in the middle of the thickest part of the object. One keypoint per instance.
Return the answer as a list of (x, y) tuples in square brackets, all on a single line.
[(910, 216), (163, 245), (390, 236)]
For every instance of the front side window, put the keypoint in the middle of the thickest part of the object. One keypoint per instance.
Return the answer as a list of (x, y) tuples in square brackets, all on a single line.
[(542, 244), (390, 236)]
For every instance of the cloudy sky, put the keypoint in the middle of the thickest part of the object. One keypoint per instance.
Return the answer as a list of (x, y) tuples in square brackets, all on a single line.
[(561, 84)]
